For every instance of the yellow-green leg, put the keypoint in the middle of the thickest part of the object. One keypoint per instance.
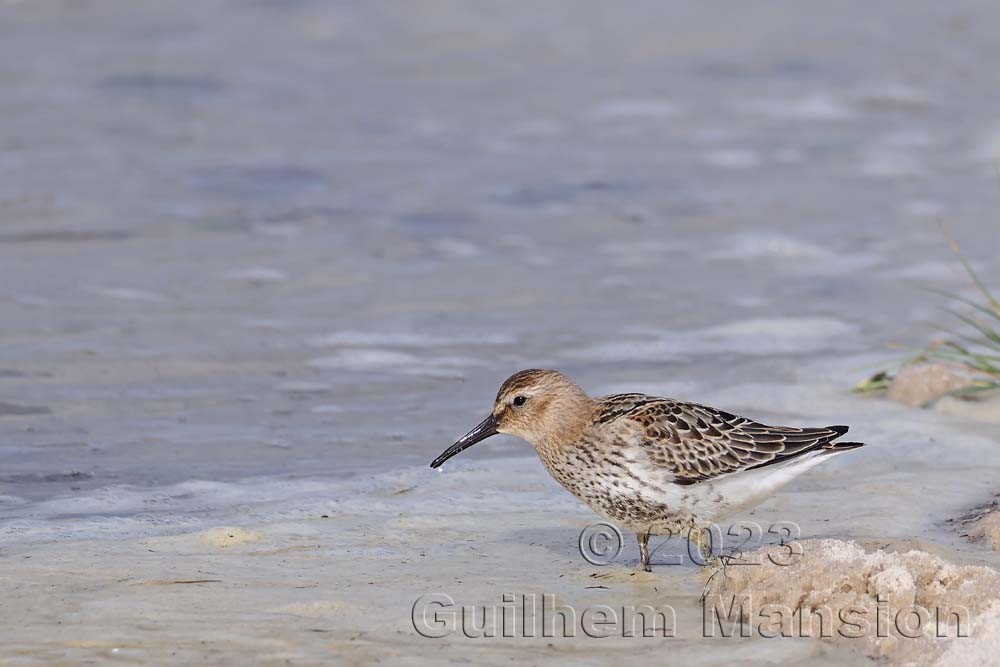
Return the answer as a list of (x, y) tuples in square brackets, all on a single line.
[(699, 538), (643, 539)]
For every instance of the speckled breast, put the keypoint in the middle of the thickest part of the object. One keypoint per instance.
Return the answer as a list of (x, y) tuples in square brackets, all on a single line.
[(608, 490)]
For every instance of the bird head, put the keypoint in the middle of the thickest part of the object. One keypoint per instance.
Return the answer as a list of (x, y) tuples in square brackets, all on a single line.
[(540, 406)]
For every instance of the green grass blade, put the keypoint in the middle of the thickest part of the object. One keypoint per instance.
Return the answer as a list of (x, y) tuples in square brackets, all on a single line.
[(988, 334), (994, 304), (967, 301)]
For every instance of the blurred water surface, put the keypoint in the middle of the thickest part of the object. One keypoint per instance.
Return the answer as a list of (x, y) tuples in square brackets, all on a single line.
[(305, 238)]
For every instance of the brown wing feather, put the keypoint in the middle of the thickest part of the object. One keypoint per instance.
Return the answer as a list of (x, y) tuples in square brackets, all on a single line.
[(695, 442)]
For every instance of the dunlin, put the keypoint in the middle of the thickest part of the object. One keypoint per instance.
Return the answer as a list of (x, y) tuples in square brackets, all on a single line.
[(656, 465)]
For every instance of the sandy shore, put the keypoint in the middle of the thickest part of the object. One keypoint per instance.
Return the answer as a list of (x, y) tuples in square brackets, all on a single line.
[(273, 570)]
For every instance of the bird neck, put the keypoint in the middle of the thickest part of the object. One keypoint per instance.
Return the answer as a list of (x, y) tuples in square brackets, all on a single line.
[(570, 416)]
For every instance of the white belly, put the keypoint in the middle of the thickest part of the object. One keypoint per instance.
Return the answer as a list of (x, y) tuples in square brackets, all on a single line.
[(702, 502)]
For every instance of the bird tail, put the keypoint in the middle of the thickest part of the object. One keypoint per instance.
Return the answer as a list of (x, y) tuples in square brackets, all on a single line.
[(831, 446), (842, 446)]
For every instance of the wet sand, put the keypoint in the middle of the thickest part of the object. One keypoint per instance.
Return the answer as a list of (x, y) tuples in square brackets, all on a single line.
[(261, 262)]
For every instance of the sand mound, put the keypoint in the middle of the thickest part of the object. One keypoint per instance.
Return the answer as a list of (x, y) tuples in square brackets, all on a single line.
[(928, 384), (910, 606), (918, 384), (982, 647), (986, 528)]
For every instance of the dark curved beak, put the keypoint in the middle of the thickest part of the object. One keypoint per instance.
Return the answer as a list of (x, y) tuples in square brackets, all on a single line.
[(487, 428)]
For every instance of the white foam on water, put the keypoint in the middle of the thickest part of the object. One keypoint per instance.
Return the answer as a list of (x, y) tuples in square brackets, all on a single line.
[(500, 485), (630, 350), (395, 361), (749, 301), (938, 273), (795, 255), (358, 338), (537, 128), (776, 335), (985, 150), (891, 163), (778, 246), (267, 324), (633, 109), (734, 158), (923, 208), (752, 337), (326, 409), (256, 274), (455, 248), (301, 387), (126, 293), (274, 230), (814, 107), (362, 359)]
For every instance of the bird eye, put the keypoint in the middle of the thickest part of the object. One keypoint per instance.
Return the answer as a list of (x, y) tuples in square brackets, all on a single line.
[(519, 400)]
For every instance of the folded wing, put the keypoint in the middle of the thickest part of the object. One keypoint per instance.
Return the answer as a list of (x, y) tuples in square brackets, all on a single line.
[(693, 443)]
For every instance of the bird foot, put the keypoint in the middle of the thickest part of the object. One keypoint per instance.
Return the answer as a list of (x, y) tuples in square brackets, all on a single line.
[(720, 565)]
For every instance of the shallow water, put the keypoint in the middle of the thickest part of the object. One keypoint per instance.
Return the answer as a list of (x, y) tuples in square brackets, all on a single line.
[(261, 262)]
